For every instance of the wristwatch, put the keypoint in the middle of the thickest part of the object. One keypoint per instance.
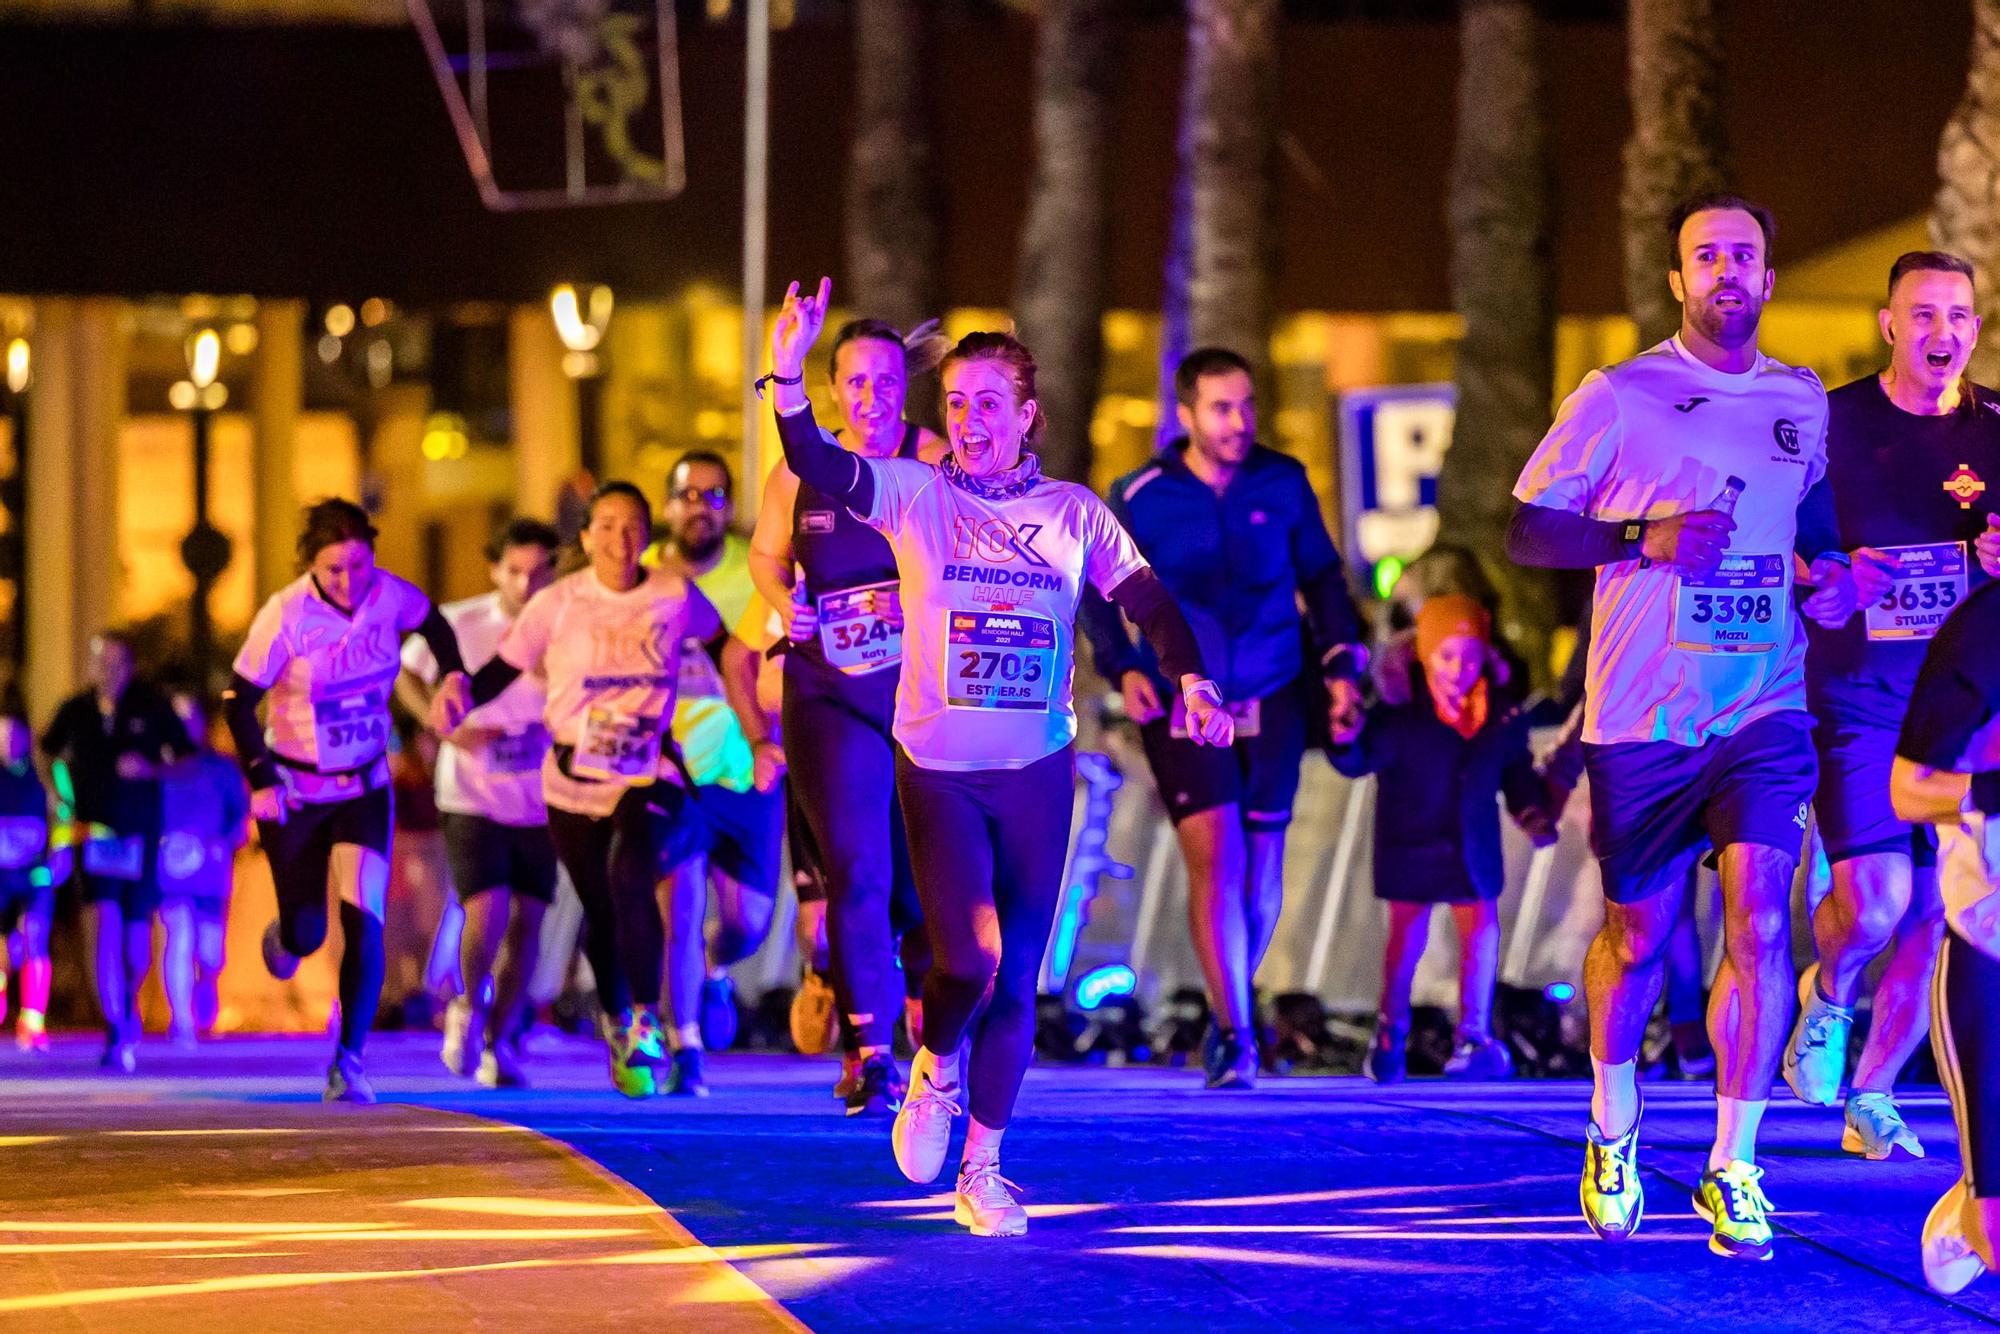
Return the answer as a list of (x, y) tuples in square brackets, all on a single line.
[(1633, 535)]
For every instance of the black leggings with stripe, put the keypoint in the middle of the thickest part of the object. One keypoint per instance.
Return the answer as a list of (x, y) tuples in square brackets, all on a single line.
[(1965, 1037)]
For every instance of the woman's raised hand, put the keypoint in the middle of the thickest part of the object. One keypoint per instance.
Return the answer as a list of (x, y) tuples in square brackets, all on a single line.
[(798, 326)]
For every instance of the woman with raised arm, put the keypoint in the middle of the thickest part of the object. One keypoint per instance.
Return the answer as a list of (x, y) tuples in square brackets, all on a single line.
[(991, 558)]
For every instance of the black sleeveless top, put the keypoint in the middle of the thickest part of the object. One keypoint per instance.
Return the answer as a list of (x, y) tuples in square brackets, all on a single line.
[(835, 550)]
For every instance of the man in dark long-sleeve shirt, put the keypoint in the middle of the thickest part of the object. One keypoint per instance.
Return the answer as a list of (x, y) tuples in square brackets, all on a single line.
[(1234, 531)]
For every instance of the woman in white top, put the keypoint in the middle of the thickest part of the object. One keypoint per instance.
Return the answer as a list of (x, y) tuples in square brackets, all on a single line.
[(607, 640), (325, 649), (991, 557)]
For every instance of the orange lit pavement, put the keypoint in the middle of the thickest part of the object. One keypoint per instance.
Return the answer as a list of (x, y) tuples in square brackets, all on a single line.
[(123, 1212)]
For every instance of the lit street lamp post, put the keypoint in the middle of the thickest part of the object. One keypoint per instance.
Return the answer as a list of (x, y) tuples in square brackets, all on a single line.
[(582, 316), (205, 550), (14, 514)]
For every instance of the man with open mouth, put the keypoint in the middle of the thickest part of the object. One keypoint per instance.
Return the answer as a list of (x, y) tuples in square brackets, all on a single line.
[(1908, 452)]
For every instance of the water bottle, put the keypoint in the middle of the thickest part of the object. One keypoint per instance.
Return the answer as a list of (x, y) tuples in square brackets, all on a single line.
[(1732, 491)]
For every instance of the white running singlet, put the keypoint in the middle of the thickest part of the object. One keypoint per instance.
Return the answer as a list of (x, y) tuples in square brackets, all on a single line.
[(990, 591), (611, 662), (499, 779), (329, 673), (1672, 657)]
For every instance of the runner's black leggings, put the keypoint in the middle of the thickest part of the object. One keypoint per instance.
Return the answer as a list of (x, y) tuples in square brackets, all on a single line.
[(842, 762), (988, 848), (1966, 1041), (613, 860)]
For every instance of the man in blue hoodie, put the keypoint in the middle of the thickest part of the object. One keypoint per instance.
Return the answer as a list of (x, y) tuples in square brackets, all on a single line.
[(1235, 532)]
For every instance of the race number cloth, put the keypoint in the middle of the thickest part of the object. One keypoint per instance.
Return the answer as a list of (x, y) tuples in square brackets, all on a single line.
[(1929, 582), (1653, 437), (854, 635), (494, 768), (328, 674), (1738, 608), (615, 656), (989, 588)]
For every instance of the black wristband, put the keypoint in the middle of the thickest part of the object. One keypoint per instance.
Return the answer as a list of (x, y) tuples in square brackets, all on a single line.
[(1986, 791), (775, 378)]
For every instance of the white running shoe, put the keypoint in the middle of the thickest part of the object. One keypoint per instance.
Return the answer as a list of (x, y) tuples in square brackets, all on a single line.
[(1816, 1056), (1876, 1130), (458, 1051), (1950, 1263), (1613, 1196), (986, 1203), (922, 1132)]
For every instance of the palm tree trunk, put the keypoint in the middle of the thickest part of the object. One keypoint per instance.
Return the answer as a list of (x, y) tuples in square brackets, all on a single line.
[(1503, 284), (892, 232), (1967, 220), (1228, 141), (1059, 287), (1679, 144)]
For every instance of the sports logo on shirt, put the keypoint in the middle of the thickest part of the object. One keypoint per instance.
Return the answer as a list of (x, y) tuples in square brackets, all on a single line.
[(1691, 404), (1964, 486), (995, 540), (1786, 432), (816, 521)]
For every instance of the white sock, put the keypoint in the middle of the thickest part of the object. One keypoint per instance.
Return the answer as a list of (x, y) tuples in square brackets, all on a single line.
[(1736, 1122), (942, 1071), (685, 1036), (982, 1145), (1614, 1096)]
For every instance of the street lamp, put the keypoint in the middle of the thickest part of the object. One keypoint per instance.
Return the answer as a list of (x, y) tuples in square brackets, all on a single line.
[(205, 550), (582, 316)]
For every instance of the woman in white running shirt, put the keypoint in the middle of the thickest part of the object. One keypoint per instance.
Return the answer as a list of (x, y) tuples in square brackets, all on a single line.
[(607, 640), (325, 651), (991, 557)]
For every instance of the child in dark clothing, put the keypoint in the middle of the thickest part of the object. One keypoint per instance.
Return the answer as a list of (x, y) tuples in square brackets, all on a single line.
[(1442, 760)]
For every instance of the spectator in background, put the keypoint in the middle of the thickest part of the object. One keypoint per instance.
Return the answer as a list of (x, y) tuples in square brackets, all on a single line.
[(205, 818), (1441, 759), (110, 743)]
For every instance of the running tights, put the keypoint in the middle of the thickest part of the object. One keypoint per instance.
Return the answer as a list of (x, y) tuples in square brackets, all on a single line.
[(1966, 1040), (988, 848), (842, 760), (613, 860)]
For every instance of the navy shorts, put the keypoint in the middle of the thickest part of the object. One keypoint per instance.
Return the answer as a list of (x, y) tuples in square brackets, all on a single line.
[(1259, 773), (1855, 735), (484, 854), (747, 831), (1655, 806)]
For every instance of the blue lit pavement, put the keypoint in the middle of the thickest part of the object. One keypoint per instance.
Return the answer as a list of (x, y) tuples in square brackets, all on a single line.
[(1311, 1203)]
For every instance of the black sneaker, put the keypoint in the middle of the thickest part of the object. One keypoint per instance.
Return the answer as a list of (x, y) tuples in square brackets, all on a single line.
[(1233, 1066), (280, 962), (1388, 1059), (684, 1079), (879, 1087), (346, 1081), (718, 1013)]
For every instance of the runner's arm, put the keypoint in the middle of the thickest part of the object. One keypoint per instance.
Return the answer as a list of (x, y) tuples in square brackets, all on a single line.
[(1142, 597), (1111, 647), (239, 711), (1818, 528), (490, 680), (814, 458), (437, 635), (736, 663), (1322, 582), (1548, 538), (771, 558)]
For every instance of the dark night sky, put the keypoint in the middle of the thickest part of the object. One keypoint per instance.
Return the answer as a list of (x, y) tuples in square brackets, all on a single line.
[(318, 161)]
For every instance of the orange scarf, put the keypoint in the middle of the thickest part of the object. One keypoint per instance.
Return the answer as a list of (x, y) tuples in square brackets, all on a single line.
[(1468, 716)]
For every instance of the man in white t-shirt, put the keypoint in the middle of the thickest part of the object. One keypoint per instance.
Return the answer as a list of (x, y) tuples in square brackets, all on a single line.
[(494, 821), (1690, 477)]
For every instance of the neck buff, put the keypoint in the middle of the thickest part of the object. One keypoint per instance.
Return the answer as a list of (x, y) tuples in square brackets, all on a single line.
[(1016, 481)]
